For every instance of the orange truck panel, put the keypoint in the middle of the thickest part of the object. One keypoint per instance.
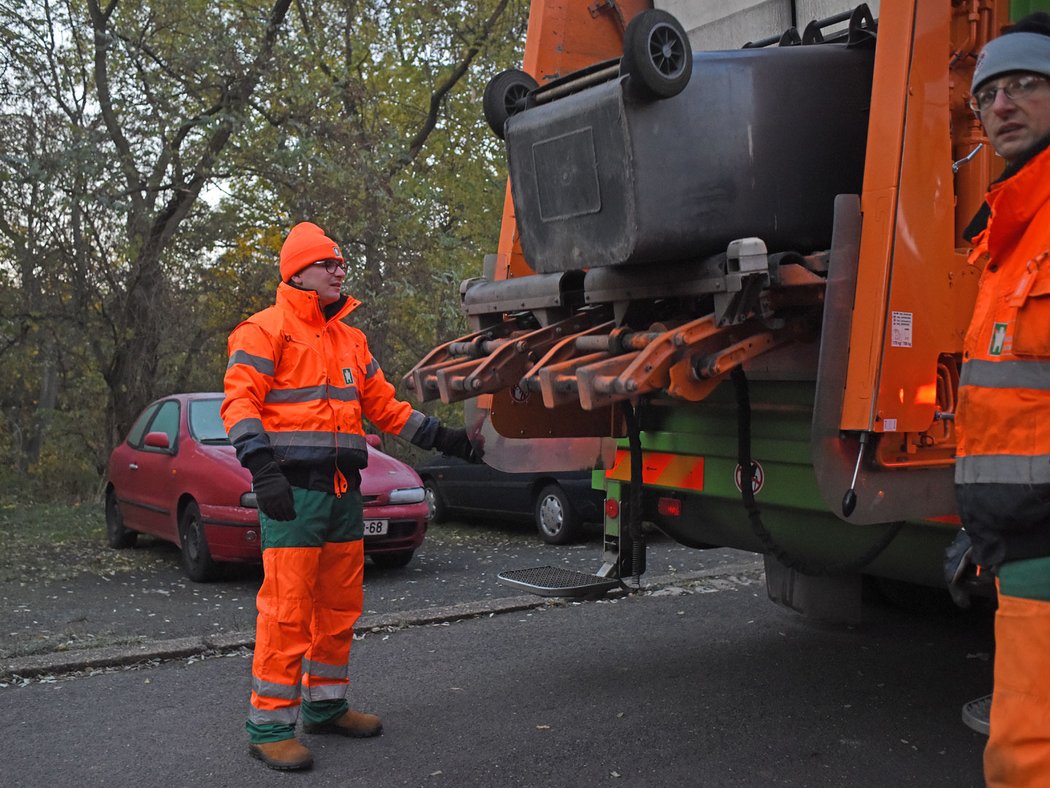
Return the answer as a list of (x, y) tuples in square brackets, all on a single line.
[(914, 288), (659, 469)]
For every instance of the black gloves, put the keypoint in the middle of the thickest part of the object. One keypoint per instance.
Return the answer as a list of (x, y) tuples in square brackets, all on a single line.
[(454, 443), (432, 434), (273, 492)]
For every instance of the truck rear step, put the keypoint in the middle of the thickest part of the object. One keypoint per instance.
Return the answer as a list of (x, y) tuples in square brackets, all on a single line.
[(555, 581), (976, 713)]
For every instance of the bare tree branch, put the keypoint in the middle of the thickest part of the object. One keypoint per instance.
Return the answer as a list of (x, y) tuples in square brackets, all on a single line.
[(437, 98)]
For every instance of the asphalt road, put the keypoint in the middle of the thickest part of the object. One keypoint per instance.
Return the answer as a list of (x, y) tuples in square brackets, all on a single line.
[(698, 681), (700, 684)]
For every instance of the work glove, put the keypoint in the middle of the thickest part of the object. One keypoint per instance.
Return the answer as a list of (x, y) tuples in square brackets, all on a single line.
[(454, 443), (273, 492), (958, 567)]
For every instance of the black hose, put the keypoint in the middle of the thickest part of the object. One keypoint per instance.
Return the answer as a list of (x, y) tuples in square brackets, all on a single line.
[(743, 409)]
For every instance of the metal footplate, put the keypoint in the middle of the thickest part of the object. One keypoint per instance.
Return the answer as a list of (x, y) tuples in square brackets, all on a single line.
[(975, 714), (554, 581)]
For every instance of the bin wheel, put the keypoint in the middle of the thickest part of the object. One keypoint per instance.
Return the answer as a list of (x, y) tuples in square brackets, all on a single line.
[(656, 54), (505, 96)]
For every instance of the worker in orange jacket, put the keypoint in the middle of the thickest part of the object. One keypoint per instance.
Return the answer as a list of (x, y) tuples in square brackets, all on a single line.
[(1003, 465), (298, 382)]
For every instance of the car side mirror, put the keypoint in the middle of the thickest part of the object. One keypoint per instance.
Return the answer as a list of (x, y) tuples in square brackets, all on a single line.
[(157, 440), (373, 440)]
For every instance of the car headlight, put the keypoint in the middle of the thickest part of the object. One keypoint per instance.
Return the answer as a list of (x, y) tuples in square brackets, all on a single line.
[(407, 495), (249, 501)]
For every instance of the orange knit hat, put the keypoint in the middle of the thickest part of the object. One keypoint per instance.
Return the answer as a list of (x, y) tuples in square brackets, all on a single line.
[(305, 245)]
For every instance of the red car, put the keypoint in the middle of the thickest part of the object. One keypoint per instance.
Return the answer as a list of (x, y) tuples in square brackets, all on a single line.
[(176, 477)]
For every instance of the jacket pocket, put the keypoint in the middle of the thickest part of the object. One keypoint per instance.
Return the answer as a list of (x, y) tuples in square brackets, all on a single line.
[(1032, 324)]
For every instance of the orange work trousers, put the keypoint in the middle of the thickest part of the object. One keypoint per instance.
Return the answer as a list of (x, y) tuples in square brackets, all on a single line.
[(309, 601), (1018, 751)]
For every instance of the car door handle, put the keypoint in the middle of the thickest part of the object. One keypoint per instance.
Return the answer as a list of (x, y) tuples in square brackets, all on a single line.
[(134, 466)]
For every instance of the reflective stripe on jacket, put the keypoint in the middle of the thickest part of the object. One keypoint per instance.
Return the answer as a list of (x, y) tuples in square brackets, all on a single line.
[(1004, 387), (297, 385)]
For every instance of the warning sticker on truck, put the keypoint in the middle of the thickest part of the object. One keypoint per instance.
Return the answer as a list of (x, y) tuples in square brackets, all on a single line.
[(901, 329)]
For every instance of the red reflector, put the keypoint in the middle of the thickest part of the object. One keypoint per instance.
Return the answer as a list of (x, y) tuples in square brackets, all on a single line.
[(669, 507), (612, 508)]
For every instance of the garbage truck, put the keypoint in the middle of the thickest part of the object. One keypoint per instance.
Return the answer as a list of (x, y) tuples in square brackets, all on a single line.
[(732, 280)]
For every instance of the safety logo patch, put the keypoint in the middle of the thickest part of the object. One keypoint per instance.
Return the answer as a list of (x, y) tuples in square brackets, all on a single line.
[(995, 348), (348, 376)]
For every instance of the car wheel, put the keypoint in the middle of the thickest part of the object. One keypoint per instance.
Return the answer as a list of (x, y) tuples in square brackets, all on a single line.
[(555, 519), (117, 535), (437, 511), (657, 54), (196, 557), (505, 96), (393, 560)]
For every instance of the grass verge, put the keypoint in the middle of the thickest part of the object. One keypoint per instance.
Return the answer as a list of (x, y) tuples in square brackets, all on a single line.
[(44, 542)]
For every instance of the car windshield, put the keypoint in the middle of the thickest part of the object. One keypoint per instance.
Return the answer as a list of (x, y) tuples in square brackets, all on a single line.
[(205, 422)]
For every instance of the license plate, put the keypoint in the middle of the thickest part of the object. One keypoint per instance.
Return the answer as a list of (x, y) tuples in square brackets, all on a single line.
[(376, 527)]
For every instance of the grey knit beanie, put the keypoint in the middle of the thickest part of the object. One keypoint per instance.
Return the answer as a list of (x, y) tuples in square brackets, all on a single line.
[(1012, 52)]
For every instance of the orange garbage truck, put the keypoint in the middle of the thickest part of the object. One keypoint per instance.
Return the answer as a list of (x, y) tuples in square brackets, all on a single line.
[(732, 280)]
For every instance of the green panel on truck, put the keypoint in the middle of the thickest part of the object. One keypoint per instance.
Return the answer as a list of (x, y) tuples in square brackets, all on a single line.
[(790, 504)]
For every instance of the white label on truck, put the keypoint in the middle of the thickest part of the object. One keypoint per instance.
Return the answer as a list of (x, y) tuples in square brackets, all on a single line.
[(901, 328)]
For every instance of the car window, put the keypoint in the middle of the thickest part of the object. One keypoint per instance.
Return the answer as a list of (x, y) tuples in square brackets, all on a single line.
[(166, 421), (138, 429), (206, 423)]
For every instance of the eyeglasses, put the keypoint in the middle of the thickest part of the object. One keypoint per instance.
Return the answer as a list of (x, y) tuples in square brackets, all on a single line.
[(331, 266), (1015, 89)]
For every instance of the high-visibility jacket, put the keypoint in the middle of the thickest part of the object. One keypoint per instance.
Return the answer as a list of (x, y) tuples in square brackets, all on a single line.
[(1003, 458), (298, 383)]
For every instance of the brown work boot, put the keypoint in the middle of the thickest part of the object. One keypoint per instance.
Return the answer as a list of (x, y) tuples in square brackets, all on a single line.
[(353, 723), (287, 755)]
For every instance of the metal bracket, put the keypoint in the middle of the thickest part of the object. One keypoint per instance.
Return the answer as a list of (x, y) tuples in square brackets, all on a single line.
[(603, 6)]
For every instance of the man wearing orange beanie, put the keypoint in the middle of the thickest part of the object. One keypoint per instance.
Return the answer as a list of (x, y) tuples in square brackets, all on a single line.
[(298, 382)]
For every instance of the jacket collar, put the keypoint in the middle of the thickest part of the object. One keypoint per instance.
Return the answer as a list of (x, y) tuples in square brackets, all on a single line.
[(1014, 201), (305, 305), (980, 219)]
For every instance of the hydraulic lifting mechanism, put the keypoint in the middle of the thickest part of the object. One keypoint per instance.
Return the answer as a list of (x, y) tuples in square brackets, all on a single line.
[(733, 275)]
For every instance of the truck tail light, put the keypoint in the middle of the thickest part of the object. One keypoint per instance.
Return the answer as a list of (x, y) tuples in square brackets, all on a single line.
[(669, 507), (612, 508)]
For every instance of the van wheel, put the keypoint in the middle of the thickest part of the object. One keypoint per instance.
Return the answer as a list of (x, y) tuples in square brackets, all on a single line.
[(555, 519), (437, 511), (505, 96), (196, 557), (656, 55)]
